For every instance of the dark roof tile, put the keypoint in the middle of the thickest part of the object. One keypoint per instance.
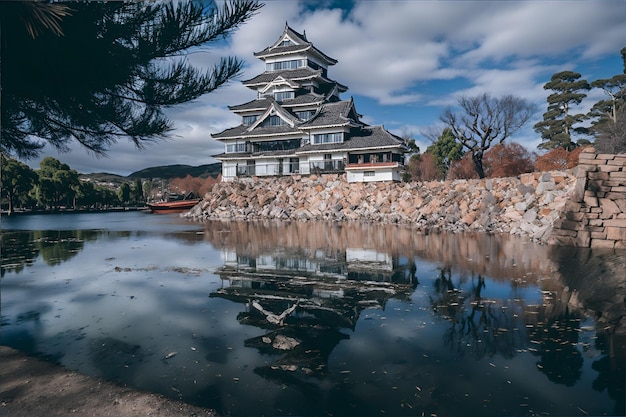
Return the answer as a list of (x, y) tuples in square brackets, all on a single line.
[(367, 137), (269, 76)]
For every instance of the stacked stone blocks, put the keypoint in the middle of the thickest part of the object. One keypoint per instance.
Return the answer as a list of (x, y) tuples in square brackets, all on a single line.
[(585, 208), (595, 215)]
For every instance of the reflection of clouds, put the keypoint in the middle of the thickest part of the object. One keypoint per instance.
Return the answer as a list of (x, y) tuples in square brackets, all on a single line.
[(381, 359)]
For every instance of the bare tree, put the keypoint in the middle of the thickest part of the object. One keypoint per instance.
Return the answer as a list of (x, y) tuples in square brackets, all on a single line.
[(484, 121)]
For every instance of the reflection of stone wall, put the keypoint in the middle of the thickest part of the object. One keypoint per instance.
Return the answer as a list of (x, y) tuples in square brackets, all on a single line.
[(595, 216), (594, 280), (587, 207), (497, 256)]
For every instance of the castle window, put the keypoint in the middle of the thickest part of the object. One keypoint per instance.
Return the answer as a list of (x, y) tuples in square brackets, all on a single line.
[(327, 138), (273, 121), (283, 95), (248, 120), (305, 115), (235, 147), (285, 65)]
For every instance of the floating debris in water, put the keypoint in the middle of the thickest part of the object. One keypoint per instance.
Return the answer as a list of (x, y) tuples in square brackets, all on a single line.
[(170, 355)]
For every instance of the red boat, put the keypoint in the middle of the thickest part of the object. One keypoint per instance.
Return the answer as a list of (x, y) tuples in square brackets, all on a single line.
[(179, 206)]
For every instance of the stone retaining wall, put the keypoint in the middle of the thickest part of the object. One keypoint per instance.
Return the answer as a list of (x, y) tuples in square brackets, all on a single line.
[(526, 205), (595, 215), (584, 207)]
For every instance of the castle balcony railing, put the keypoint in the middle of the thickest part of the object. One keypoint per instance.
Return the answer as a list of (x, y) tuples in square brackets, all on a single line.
[(326, 167), (296, 168), (373, 165)]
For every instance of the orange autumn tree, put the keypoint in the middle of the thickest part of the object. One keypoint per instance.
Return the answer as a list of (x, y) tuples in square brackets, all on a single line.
[(508, 160), (208, 184), (463, 169), (423, 167), (558, 158), (196, 185)]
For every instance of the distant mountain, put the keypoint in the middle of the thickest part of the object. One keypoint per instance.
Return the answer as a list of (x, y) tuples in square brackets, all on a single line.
[(178, 171), (104, 178), (161, 172)]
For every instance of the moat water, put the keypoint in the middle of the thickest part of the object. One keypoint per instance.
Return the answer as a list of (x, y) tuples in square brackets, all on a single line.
[(271, 318)]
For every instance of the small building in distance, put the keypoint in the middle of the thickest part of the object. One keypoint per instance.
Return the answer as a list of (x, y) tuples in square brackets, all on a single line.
[(298, 124)]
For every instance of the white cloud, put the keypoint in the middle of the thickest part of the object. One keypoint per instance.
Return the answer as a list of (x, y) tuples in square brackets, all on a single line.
[(410, 57)]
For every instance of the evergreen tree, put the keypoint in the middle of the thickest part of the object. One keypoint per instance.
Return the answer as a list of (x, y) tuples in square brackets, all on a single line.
[(58, 183), (558, 122), (96, 72), (17, 181), (137, 192), (446, 150), (608, 125), (123, 193)]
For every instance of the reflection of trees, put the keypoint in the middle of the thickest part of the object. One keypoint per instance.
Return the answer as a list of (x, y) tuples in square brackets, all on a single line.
[(611, 371), (304, 298), (485, 327), (21, 248), (57, 246), (594, 281), (480, 326), (555, 341), (18, 251)]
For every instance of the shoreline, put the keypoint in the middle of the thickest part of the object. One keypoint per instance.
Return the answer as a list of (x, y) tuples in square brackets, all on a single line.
[(73, 211), (33, 387)]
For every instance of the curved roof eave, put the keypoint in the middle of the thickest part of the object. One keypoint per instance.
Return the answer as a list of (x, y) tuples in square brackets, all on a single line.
[(301, 78), (348, 122), (260, 135), (268, 53), (344, 149)]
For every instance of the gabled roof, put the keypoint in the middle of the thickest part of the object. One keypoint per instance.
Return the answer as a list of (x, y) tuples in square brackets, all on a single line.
[(275, 109), (300, 44), (340, 113), (262, 104), (280, 80), (304, 100)]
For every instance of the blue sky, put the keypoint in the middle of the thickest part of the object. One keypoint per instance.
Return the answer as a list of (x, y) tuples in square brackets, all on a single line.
[(403, 62)]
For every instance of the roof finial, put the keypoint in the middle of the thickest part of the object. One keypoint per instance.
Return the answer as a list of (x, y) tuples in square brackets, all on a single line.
[(304, 35)]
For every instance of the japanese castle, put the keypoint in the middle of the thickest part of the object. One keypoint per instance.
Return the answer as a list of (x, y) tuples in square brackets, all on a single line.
[(298, 124)]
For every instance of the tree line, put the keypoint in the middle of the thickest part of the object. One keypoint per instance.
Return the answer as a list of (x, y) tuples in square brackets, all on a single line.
[(56, 186), (472, 143)]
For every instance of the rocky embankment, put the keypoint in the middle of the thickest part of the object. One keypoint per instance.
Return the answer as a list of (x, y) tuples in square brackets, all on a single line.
[(526, 205)]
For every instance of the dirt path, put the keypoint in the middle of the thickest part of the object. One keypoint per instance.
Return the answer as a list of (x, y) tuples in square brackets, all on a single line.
[(31, 388)]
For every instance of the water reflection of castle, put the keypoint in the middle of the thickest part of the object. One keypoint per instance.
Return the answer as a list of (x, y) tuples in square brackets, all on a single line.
[(305, 297), (339, 281), (316, 279)]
